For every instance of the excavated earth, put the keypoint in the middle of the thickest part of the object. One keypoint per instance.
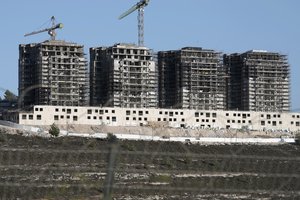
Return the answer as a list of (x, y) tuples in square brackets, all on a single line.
[(82, 168)]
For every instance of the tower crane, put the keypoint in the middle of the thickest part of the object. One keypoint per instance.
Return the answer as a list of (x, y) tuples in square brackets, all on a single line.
[(140, 7), (51, 31)]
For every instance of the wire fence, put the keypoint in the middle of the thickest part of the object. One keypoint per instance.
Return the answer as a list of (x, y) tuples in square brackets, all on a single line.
[(81, 168)]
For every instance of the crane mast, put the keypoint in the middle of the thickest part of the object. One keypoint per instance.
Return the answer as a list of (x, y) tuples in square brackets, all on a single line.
[(51, 31), (140, 7)]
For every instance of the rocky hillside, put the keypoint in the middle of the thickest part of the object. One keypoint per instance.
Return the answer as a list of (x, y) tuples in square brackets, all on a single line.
[(81, 168)]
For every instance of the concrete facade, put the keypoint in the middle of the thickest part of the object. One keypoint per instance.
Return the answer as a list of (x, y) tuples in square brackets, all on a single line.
[(123, 75), (47, 115), (53, 73), (191, 78), (258, 81)]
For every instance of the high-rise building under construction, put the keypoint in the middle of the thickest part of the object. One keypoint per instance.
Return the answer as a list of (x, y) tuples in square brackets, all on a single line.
[(53, 73), (123, 75), (259, 81), (191, 78)]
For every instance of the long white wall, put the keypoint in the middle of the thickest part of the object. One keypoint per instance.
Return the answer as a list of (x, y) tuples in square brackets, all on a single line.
[(47, 115)]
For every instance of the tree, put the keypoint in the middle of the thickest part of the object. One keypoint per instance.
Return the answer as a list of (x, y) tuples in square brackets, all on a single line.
[(111, 138), (9, 96), (54, 130)]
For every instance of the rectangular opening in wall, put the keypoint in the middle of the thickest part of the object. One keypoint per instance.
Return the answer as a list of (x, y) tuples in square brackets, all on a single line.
[(75, 118), (39, 117), (114, 119), (55, 117), (24, 116)]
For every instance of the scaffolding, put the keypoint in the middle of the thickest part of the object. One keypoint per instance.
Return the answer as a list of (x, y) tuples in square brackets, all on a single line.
[(259, 81), (123, 75), (53, 73), (191, 78)]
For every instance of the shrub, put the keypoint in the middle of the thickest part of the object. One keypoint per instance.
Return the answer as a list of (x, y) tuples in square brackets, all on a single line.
[(54, 130), (111, 138)]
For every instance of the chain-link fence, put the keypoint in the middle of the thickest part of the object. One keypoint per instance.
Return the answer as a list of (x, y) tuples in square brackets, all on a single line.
[(81, 168)]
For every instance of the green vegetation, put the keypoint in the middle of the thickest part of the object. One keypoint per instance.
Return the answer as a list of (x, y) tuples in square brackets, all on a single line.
[(111, 138), (164, 178), (9, 96), (54, 130)]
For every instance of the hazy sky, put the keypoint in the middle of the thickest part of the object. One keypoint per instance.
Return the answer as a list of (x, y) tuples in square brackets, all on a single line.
[(228, 26)]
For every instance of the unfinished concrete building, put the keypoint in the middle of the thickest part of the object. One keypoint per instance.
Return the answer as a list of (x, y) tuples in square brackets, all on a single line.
[(123, 75), (259, 81), (191, 78), (53, 73)]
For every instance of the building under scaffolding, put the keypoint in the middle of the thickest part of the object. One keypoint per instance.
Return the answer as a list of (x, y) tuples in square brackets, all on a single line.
[(123, 75), (53, 73), (259, 81), (191, 78)]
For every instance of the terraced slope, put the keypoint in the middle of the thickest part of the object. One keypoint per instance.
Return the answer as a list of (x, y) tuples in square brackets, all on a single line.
[(81, 168)]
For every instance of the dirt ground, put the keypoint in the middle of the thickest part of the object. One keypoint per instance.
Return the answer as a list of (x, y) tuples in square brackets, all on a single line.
[(158, 130), (82, 168)]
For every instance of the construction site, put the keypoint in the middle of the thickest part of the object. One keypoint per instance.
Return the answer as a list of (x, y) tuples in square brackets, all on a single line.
[(191, 78), (123, 75), (258, 81), (53, 73)]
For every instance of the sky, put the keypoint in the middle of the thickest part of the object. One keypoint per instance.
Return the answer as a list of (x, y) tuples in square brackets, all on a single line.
[(231, 26)]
